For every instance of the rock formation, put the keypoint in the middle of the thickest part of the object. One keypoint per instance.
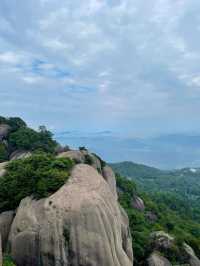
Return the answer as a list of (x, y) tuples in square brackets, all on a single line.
[(81, 224), (2, 168), (19, 154), (6, 219), (4, 131), (193, 260), (157, 260), (138, 203), (161, 241), (109, 176)]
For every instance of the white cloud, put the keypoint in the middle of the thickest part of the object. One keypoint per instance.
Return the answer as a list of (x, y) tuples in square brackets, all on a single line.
[(137, 58), (10, 58)]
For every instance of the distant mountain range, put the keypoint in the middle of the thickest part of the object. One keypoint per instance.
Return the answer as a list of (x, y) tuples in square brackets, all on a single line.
[(165, 152), (184, 182)]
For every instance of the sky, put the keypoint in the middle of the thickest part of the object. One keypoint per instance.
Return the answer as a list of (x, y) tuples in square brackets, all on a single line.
[(127, 66)]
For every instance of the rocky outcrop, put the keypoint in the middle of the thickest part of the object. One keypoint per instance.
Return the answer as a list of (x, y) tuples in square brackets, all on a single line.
[(151, 216), (161, 240), (157, 260), (77, 156), (3, 168), (138, 203), (193, 260), (109, 176), (6, 219), (19, 154), (81, 224), (82, 156), (4, 131)]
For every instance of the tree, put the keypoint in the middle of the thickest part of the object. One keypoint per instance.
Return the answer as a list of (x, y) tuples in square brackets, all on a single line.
[(39, 175)]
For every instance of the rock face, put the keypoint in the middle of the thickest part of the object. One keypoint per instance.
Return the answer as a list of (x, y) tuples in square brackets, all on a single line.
[(82, 156), (81, 224), (161, 240), (193, 260), (4, 131), (6, 219), (109, 176), (77, 156), (2, 168), (20, 155), (138, 203), (151, 216), (157, 260)]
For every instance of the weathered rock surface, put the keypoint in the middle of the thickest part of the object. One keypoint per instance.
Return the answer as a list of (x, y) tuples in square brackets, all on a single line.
[(4, 131), (161, 240), (3, 168), (6, 219), (193, 260), (81, 224), (151, 216), (77, 156), (138, 203), (109, 176), (19, 155), (157, 260)]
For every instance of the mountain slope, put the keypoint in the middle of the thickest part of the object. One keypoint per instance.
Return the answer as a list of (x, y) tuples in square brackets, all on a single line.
[(185, 182)]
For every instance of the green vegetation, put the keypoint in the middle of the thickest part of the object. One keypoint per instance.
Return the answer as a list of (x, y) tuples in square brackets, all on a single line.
[(103, 163), (14, 122), (28, 139), (82, 148), (3, 153), (21, 137), (39, 175), (172, 215), (7, 261), (182, 184), (88, 159)]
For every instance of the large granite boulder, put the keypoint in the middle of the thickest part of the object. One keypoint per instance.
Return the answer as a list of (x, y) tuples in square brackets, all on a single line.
[(81, 224), (19, 154), (75, 155), (138, 203), (157, 259), (4, 131), (82, 156), (160, 240), (193, 260), (6, 219), (109, 176)]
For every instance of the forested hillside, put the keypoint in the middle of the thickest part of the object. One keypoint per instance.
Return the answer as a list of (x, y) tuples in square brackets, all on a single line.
[(161, 212), (183, 182)]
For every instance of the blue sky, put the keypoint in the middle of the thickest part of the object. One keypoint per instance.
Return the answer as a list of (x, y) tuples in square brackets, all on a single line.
[(131, 66)]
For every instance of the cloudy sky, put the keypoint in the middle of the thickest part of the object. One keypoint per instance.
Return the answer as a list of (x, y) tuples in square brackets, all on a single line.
[(129, 66)]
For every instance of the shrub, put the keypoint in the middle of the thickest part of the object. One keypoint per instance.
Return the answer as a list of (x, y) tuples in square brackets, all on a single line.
[(7, 261), (29, 139), (15, 123), (82, 148), (39, 175), (3, 153), (88, 159)]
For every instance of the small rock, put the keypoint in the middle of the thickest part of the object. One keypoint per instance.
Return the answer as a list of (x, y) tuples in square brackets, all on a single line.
[(138, 203), (157, 260)]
